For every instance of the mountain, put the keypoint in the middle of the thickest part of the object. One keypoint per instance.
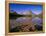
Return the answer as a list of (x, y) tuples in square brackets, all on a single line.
[(14, 15), (26, 13)]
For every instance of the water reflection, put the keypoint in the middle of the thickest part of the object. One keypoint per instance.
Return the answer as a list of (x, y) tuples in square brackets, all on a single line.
[(26, 23), (20, 21), (37, 21)]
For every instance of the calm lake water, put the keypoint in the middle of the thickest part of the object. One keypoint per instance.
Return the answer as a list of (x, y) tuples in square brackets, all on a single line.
[(25, 20)]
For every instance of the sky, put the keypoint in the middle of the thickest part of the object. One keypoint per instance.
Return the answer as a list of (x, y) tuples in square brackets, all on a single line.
[(25, 8)]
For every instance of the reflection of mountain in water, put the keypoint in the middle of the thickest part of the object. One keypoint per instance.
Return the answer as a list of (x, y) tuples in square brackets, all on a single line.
[(20, 21), (26, 23)]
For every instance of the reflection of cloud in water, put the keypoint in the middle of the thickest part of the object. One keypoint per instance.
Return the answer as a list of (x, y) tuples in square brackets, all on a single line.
[(20, 21), (24, 20), (37, 21)]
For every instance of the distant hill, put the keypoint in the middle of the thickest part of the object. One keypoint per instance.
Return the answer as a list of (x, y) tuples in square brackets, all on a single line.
[(14, 15), (28, 14)]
